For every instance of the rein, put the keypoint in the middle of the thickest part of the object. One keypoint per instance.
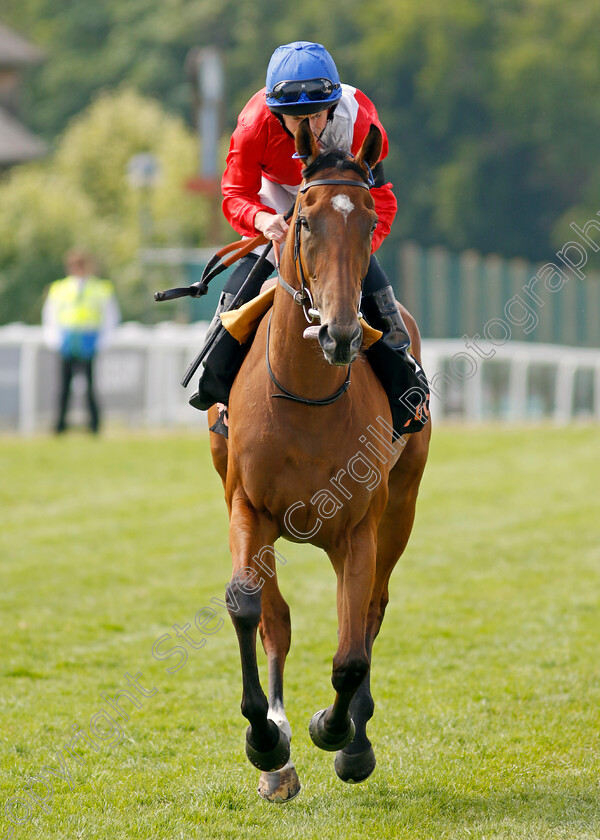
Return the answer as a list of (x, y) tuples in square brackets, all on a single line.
[(289, 395), (303, 296)]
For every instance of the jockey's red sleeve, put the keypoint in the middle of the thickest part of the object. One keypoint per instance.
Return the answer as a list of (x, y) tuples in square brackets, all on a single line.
[(241, 183), (385, 207), (385, 200)]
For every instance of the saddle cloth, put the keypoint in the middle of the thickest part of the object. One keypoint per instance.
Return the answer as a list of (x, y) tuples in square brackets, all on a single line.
[(242, 323)]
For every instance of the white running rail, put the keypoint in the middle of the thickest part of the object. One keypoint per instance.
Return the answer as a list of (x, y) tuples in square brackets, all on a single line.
[(138, 380)]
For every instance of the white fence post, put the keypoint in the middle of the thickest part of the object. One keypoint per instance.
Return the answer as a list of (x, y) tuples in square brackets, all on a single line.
[(564, 390), (27, 387)]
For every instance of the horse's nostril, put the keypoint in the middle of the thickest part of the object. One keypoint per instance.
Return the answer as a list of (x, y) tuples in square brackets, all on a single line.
[(340, 343), (325, 339), (357, 339), (345, 334)]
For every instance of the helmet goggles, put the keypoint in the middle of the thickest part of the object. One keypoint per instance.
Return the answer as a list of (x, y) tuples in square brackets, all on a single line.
[(314, 90)]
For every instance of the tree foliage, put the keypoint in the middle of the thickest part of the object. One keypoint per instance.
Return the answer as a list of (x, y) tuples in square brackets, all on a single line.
[(492, 109), (82, 196), (491, 105)]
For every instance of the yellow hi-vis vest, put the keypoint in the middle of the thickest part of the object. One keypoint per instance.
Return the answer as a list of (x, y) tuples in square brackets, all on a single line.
[(80, 306)]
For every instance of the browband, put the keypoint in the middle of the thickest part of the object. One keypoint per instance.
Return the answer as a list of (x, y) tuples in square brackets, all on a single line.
[(325, 182)]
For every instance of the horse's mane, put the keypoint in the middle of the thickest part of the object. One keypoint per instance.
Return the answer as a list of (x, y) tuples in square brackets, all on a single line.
[(335, 159)]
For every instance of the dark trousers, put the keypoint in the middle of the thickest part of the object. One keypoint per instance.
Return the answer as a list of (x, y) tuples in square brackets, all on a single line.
[(69, 367)]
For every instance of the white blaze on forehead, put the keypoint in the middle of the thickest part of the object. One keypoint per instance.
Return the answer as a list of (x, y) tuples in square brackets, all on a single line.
[(342, 204)]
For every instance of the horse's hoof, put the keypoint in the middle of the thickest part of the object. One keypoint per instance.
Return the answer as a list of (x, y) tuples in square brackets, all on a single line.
[(280, 786), (326, 740), (355, 768), (273, 759)]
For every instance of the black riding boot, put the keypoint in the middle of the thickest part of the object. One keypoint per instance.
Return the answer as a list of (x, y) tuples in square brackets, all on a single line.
[(222, 362), (382, 313), (225, 359), (403, 379)]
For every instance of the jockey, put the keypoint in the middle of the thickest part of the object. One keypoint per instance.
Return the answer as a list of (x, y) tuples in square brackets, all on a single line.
[(261, 181)]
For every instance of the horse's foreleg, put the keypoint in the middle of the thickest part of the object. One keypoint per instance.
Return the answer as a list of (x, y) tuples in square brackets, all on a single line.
[(275, 631), (356, 761), (333, 728), (267, 746)]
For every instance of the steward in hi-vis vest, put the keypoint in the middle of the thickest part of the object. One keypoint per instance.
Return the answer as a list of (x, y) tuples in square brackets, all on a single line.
[(79, 314)]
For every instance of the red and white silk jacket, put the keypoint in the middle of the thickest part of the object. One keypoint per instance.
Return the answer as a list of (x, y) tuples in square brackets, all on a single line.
[(261, 173)]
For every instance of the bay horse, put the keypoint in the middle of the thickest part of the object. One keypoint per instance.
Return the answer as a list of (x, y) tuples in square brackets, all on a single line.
[(294, 423)]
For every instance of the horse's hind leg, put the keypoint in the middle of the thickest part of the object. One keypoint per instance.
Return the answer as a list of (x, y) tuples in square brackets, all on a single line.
[(218, 445), (356, 762), (275, 630), (251, 536)]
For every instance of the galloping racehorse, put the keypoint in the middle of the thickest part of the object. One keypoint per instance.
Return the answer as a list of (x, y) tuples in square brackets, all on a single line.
[(294, 423)]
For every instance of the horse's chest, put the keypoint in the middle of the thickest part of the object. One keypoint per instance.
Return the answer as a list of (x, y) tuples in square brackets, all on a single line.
[(296, 482)]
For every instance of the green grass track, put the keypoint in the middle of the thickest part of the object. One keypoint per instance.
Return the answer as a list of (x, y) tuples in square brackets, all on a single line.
[(486, 676)]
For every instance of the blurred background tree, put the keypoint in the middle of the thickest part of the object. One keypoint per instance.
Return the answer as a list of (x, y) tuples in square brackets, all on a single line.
[(491, 107), (82, 195)]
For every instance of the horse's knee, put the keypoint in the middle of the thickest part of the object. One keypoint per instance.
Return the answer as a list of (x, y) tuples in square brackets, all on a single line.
[(277, 613), (243, 606), (348, 674)]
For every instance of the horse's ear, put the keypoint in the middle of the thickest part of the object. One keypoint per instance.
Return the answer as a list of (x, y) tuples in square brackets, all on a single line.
[(306, 145), (371, 149)]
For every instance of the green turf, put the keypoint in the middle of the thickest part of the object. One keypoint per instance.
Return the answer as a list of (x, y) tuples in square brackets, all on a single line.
[(485, 677)]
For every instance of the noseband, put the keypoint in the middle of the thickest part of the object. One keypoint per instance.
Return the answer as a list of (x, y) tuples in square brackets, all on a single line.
[(303, 297)]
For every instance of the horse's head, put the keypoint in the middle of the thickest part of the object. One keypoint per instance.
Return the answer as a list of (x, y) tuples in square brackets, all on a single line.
[(332, 229)]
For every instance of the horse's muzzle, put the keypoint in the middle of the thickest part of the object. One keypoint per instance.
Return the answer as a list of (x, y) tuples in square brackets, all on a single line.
[(340, 343)]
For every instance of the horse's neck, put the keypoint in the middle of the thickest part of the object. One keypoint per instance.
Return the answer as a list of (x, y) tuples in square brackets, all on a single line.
[(298, 362)]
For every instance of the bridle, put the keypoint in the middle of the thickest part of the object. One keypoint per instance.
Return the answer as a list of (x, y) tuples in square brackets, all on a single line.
[(303, 296)]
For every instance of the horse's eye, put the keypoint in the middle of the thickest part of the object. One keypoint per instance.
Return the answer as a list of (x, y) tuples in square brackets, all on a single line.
[(373, 228), (304, 223)]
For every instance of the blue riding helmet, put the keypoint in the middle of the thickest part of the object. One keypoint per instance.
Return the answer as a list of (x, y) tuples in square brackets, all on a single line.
[(302, 79)]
